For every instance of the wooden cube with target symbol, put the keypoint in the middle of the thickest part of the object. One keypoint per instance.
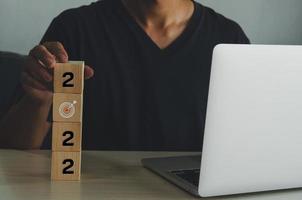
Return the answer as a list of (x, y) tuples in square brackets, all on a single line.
[(67, 107)]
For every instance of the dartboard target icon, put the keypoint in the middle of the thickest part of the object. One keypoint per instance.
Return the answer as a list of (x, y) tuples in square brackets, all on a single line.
[(67, 109)]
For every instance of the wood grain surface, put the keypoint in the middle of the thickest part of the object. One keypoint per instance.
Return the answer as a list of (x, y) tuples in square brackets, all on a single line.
[(105, 175)]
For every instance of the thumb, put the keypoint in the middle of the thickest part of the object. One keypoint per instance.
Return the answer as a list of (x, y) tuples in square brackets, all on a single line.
[(88, 72)]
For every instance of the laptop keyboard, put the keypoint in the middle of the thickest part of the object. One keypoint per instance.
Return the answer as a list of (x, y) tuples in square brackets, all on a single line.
[(191, 175)]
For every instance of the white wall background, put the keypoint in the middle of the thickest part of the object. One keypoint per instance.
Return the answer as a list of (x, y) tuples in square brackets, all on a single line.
[(23, 22)]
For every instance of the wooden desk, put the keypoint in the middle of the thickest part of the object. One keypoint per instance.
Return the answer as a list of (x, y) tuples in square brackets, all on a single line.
[(105, 175)]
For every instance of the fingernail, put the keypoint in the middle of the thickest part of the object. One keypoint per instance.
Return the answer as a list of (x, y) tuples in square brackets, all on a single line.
[(65, 58), (52, 63)]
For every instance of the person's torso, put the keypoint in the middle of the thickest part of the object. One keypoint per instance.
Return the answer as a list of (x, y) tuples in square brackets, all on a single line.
[(142, 97)]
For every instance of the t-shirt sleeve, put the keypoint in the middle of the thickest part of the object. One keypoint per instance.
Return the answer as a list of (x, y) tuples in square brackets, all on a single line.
[(241, 37), (60, 30), (228, 31)]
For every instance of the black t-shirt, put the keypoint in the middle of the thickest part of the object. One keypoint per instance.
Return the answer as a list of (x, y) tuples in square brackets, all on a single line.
[(142, 97)]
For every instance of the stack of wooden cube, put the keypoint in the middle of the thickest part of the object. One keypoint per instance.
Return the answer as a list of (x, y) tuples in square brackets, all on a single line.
[(67, 121)]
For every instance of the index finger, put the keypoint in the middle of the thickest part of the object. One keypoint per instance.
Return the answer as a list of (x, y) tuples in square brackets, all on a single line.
[(58, 50)]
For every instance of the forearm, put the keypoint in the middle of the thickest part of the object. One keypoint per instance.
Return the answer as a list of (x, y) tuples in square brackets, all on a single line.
[(25, 125)]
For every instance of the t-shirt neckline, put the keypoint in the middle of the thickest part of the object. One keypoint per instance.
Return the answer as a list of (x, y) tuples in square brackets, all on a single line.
[(176, 44)]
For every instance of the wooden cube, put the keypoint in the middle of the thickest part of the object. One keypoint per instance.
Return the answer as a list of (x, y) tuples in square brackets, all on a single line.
[(67, 107), (66, 166), (69, 77), (66, 136)]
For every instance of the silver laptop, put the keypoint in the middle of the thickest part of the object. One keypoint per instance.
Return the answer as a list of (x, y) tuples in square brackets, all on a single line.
[(253, 131)]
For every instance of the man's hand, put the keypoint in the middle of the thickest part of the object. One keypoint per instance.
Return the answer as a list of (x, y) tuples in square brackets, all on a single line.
[(37, 76), (32, 110)]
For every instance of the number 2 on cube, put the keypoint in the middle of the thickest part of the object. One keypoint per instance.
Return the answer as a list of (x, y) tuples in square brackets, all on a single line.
[(67, 169), (69, 76), (70, 136)]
